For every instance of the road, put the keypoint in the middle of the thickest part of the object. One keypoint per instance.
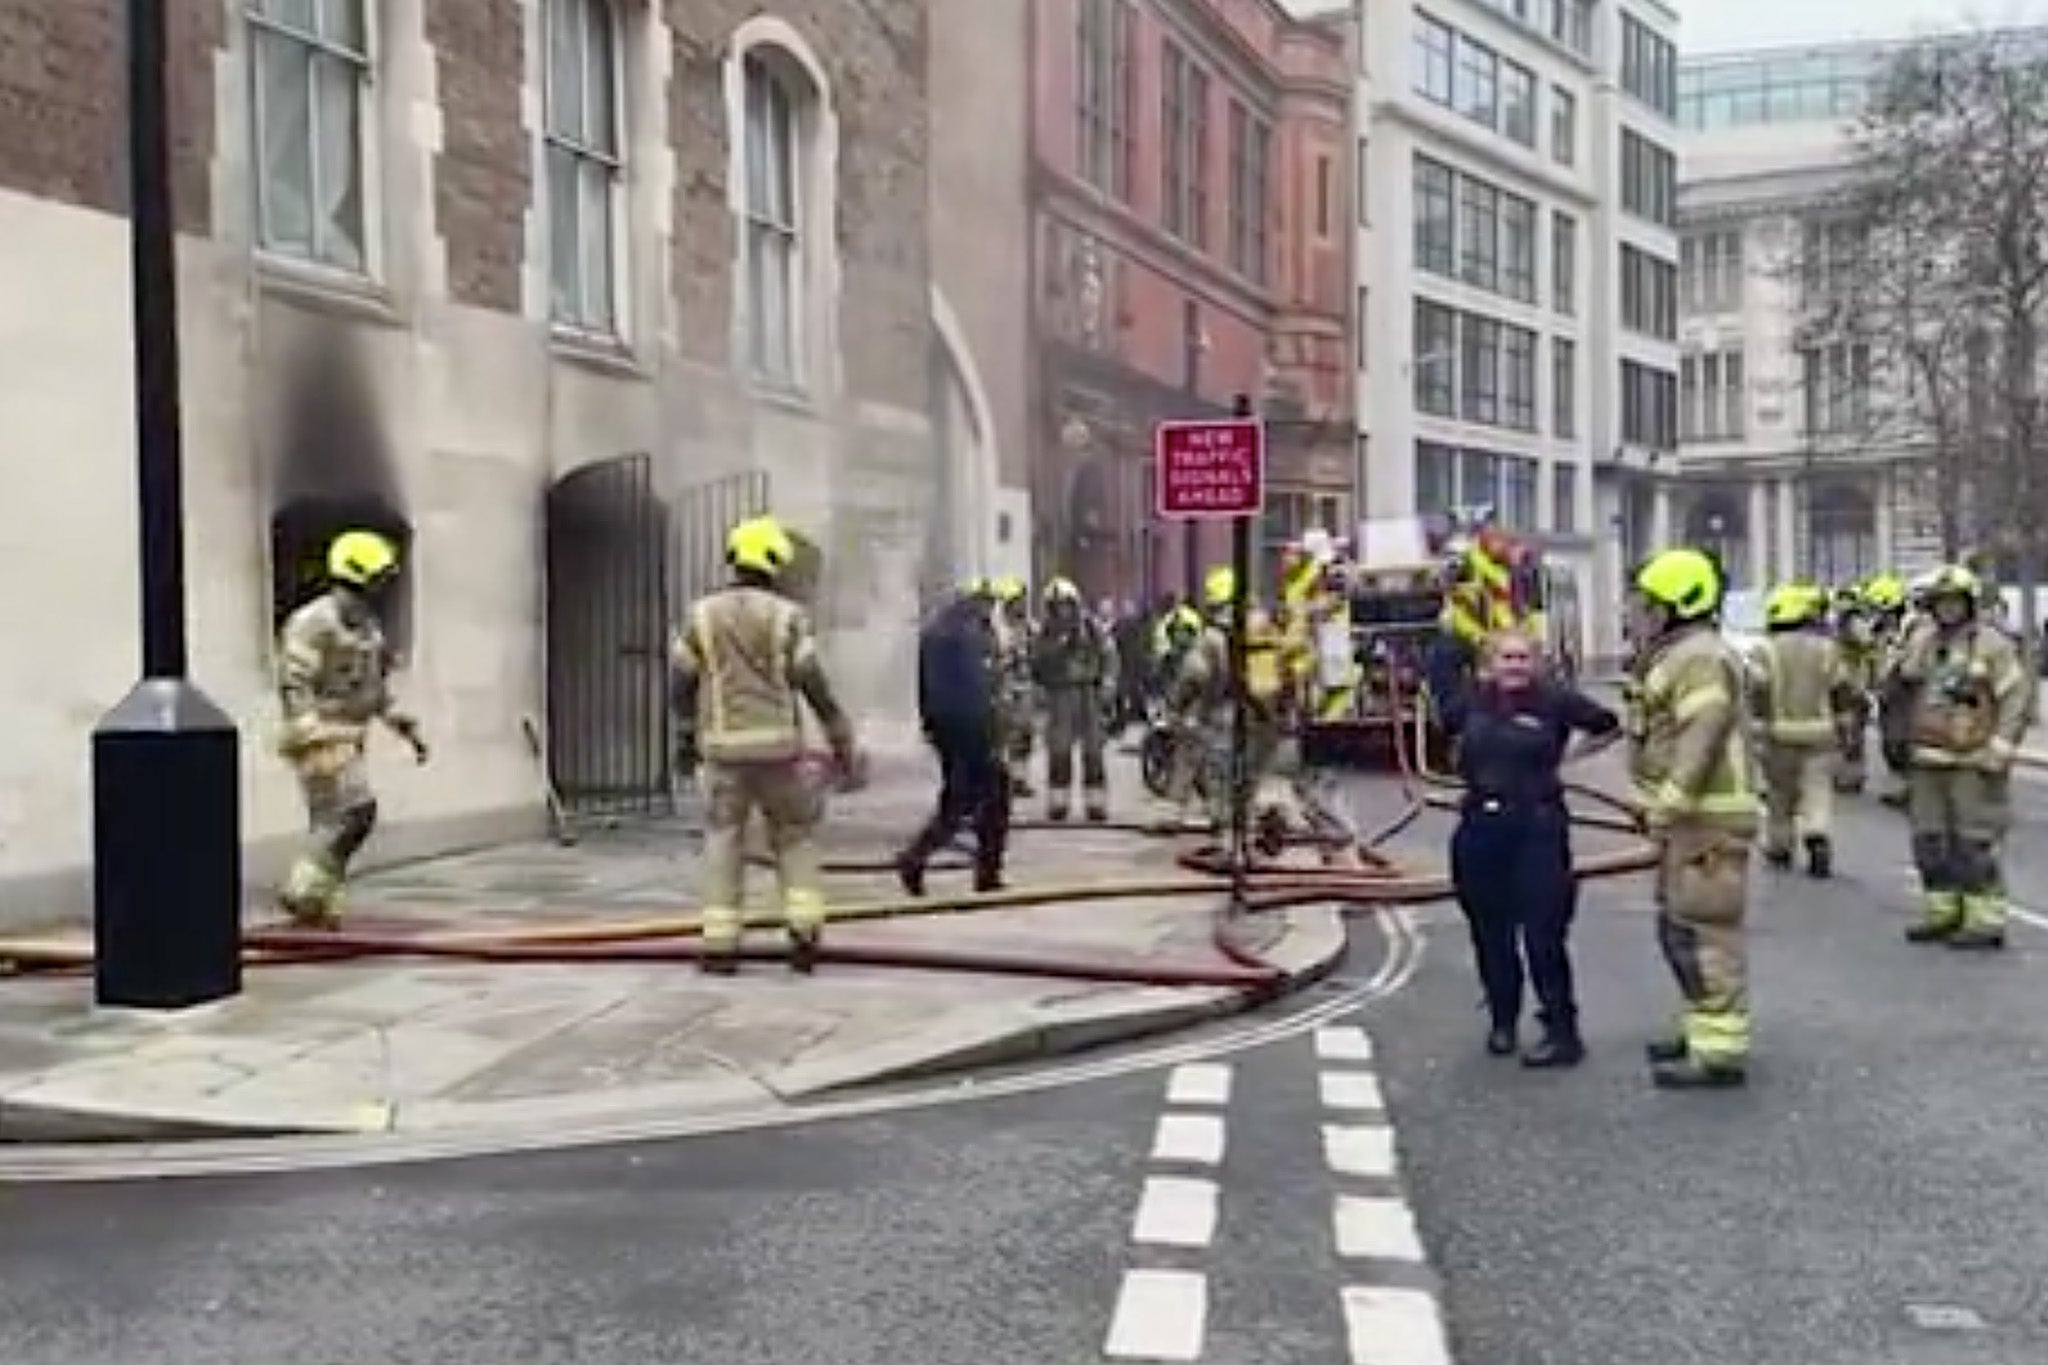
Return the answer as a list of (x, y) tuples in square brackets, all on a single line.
[(1874, 1196)]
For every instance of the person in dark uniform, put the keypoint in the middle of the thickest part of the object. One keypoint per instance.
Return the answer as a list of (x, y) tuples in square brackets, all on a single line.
[(1511, 857), (957, 686)]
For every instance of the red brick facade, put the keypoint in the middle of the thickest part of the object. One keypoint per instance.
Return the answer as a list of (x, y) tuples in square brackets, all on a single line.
[(1147, 308), (483, 178)]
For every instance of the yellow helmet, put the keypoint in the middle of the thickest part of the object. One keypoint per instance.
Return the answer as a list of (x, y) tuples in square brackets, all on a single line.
[(1009, 588), (361, 558), (1684, 582), (1952, 580), (1885, 592), (759, 545), (1062, 590), (1219, 589), (1794, 604)]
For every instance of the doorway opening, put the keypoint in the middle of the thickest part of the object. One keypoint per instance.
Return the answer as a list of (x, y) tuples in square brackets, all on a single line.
[(301, 531)]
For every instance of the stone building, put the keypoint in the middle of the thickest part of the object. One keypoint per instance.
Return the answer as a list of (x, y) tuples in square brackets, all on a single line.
[(549, 289)]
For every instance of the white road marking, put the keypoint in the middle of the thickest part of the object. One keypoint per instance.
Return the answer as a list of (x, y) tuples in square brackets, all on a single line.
[(1394, 1327), (1176, 1211), (1350, 1090), (1189, 1137), (1364, 1150), (1347, 1043), (1160, 1315), (2026, 916), (1383, 1229), (1199, 1083)]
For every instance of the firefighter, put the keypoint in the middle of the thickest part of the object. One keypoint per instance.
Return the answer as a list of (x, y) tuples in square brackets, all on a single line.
[(1274, 676), (1198, 702), (1074, 666), (1689, 759), (743, 662), (1799, 683), (1861, 632), (333, 680), (1963, 688), (1015, 699)]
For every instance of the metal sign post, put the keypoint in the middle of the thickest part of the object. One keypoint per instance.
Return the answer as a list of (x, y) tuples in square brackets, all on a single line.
[(1215, 471)]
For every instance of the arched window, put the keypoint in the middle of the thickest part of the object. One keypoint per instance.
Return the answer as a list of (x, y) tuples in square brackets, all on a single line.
[(782, 186)]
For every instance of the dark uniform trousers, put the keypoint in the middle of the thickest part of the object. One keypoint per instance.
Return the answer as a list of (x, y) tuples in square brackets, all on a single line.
[(1513, 868), (974, 789)]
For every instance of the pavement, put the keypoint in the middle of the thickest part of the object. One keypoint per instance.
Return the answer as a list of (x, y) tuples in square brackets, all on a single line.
[(411, 1046)]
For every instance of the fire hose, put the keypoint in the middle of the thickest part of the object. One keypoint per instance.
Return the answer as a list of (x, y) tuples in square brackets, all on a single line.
[(1373, 881)]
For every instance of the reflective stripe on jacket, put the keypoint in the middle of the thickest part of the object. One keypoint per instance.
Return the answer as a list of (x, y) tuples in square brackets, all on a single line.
[(1799, 673), (1689, 756)]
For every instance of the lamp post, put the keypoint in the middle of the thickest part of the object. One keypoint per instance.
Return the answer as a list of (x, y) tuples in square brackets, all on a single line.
[(167, 855)]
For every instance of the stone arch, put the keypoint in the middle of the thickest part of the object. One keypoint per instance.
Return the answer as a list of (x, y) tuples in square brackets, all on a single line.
[(974, 497)]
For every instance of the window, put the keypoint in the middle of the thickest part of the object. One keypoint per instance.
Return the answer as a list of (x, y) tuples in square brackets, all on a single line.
[(1476, 87), (1251, 160), (1364, 331), (1478, 233), (1517, 103), (1436, 359), (1478, 368), (1105, 94), (1518, 247), (584, 167), (1518, 378), (312, 70), (1518, 492), (1323, 197), (1364, 179), (1836, 380), (1649, 180), (1564, 499), (1436, 217), (1434, 45), (1734, 396), (1571, 23), (1831, 256), (1649, 67), (774, 240), (1649, 406), (1649, 294), (1184, 189), (1825, 87), (1564, 126), (1710, 396), (1710, 271), (1449, 478), (1436, 477), (1564, 263), (1564, 388)]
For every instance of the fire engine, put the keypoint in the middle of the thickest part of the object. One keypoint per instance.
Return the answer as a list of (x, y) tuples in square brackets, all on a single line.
[(1396, 577)]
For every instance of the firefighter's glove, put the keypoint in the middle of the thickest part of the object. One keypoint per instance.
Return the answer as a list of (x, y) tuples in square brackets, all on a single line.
[(408, 729), (852, 763)]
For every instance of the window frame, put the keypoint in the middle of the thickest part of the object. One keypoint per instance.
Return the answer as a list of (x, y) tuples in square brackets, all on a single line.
[(762, 61), (260, 26), (587, 158)]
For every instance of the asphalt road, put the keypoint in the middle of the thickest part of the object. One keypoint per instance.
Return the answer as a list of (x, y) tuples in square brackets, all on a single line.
[(1876, 1195)]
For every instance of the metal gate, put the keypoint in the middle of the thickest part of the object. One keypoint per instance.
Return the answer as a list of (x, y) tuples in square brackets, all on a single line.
[(703, 515), (608, 731)]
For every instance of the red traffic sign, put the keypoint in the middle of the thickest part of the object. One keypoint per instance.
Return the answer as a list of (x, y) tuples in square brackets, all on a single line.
[(1210, 470)]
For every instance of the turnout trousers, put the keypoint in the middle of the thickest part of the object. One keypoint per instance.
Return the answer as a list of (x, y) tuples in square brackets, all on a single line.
[(1512, 866), (1702, 902), (1074, 721), (789, 807), (1959, 817)]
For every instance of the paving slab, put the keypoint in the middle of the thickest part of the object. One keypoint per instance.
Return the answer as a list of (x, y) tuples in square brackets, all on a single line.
[(417, 1045)]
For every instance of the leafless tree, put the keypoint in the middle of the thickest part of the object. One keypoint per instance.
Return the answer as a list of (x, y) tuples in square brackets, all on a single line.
[(1949, 206)]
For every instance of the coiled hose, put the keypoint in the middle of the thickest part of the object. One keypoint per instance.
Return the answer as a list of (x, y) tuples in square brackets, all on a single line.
[(1373, 881)]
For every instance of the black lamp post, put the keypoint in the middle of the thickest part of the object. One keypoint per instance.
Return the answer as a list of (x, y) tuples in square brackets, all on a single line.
[(167, 845)]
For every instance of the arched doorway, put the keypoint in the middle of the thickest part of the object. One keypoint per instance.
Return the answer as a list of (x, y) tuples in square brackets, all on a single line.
[(1841, 528), (606, 630)]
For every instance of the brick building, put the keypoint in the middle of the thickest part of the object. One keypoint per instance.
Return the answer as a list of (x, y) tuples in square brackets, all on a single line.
[(1191, 208), (462, 269)]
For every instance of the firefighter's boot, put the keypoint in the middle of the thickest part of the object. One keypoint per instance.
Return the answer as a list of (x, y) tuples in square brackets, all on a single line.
[(1688, 1073), (803, 949), (1820, 856)]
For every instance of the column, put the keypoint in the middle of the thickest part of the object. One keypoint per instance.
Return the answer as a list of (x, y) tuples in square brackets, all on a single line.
[(1759, 535), (1788, 527), (1883, 510), (1660, 516)]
